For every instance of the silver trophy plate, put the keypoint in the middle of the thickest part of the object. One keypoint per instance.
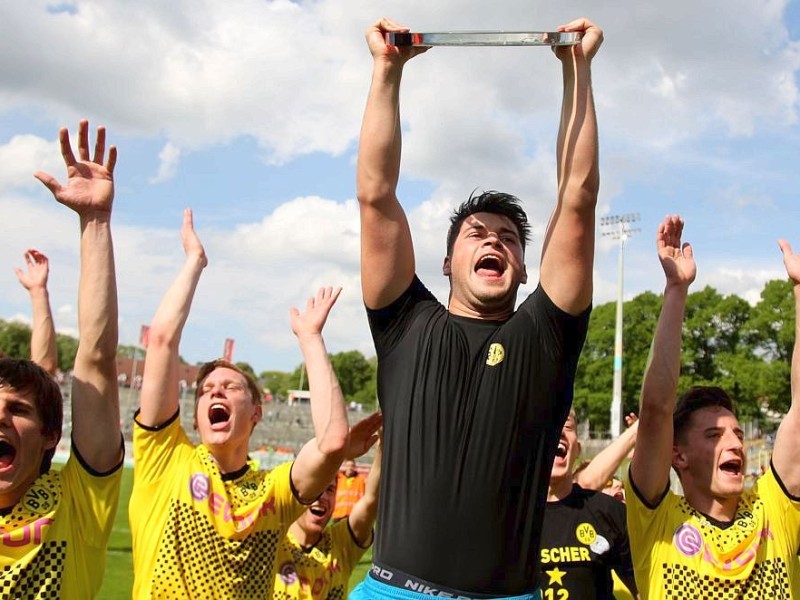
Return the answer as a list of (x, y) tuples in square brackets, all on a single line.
[(484, 38)]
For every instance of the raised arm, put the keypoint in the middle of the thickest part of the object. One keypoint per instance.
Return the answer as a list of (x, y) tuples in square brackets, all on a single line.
[(653, 456), (568, 251), (787, 440), (362, 517), (89, 191), (159, 397), (43, 331), (363, 435), (605, 464), (318, 461), (387, 253)]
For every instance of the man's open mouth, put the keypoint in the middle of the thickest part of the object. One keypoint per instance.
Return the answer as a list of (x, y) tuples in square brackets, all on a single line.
[(7, 454), (732, 467), (561, 451), (317, 510), (490, 265), (218, 413)]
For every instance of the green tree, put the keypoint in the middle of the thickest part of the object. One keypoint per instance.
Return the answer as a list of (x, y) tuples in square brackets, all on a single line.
[(15, 339), (277, 382), (131, 352), (245, 367), (772, 321), (67, 348), (353, 371), (367, 396)]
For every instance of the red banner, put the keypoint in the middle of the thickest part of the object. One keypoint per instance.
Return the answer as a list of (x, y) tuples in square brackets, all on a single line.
[(227, 353), (144, 336)]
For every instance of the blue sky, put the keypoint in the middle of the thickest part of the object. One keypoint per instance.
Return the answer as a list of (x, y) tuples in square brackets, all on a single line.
[(249, 112)]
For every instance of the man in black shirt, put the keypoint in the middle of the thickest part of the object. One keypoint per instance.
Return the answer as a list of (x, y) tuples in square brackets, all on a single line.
[(584, 535), (473, 395)]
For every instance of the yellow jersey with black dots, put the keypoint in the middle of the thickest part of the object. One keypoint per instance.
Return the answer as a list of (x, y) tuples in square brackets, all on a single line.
[(53, 542), (198, 533), (679, 553), (321, 572)]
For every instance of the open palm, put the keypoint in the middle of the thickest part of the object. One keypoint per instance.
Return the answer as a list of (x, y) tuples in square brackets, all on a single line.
[(90, 181)]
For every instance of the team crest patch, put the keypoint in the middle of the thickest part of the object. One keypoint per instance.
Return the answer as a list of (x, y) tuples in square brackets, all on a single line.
[(586, 534), (496, 354), (39, 500)]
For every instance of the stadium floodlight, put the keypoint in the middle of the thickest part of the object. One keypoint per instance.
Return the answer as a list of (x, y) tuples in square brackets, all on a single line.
[(619, 228)]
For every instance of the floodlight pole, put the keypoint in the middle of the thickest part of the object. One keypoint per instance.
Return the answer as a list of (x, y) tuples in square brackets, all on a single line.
[(620, 229)]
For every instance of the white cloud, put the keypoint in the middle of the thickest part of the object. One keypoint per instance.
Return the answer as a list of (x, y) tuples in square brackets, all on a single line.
[(170, 157), (21, 156)]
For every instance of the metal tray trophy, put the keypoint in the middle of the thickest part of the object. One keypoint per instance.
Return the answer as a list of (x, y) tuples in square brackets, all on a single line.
[(484, 38)]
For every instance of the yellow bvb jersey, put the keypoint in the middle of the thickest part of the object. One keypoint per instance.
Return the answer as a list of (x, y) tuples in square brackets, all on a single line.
[(53, 542), (679, 553), (197, 534), (322, 572)]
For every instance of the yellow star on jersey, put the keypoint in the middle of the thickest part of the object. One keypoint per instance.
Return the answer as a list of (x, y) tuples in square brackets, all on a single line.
[(556, 575)]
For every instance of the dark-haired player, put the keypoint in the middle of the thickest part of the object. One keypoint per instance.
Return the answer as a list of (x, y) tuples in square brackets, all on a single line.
[(55, 524), (473, 394), (718, 540)]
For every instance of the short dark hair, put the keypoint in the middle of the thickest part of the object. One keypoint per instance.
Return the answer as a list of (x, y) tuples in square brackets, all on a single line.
[(27, 378), (696, 398), (494, 202), (221, 363)]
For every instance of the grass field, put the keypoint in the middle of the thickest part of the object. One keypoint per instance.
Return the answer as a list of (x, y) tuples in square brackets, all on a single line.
[(118, 581)]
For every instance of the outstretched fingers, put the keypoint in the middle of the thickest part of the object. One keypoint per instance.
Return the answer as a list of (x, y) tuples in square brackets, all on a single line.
[(50, 182), (66, 147), (83, 139), (100, 145)]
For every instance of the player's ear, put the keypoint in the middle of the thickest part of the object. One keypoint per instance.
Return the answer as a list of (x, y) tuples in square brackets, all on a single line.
[(446, 267), (679, 460)]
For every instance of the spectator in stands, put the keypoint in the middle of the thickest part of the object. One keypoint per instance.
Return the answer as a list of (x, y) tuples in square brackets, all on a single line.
[(43, 331), (205, 520), (316, 561), (56, 522), (718, 540), (584, 535), (350, 486)]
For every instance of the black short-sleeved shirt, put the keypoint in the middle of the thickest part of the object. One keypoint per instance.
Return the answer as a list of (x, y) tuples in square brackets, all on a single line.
[(472, 413), (584, 536)]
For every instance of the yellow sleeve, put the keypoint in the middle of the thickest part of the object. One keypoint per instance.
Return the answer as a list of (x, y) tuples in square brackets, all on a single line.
[(784, 509), (156, 449), (345, 549), (93, 498), (646, 526)]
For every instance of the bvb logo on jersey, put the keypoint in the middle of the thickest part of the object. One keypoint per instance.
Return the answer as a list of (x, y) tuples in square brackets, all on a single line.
[(496, 354), (586, 534), (39, 500)]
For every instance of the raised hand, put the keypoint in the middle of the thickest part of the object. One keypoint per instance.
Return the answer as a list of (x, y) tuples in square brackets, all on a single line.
[(378, 47), (312, 320), (591, 39), (790, 260), (363, 435), (677, 260), (90, 181), (192, 246), (38, 270)]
